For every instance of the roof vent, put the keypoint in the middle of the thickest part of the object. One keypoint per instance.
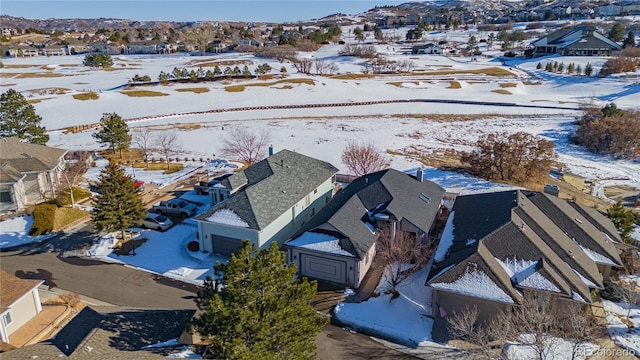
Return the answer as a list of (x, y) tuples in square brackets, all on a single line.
[(26, 155), (424, 197)]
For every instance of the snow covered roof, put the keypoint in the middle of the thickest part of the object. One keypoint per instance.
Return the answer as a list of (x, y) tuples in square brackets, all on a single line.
[(523, 240), (319, 241), (474, 282), (387, 195), (227, 217)]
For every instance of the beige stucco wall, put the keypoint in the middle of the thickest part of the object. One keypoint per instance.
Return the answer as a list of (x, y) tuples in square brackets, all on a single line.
[(364, 265), (206, 229)]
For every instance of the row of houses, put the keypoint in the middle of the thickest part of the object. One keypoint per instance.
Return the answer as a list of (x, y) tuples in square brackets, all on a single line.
[(583, 40), (493, 248)]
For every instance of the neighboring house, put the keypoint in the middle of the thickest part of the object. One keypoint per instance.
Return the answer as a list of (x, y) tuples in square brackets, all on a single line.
[(19, 303), (251, 42), (111, 333), (339, 244), (54, 50), (267, 202), (21, 51), (429, 48), (77, 46), (28, 173), (609, 10), (583, 40), (147, 47), (109, 48), (577, 181), (496, 245)]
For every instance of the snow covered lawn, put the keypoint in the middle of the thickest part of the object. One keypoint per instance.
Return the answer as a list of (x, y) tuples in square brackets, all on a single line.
[(14, 232), (405, 320), (621, 334)]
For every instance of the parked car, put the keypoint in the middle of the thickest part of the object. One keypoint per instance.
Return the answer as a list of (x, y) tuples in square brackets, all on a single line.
[(203, 186), (157, 222), (175, 207)]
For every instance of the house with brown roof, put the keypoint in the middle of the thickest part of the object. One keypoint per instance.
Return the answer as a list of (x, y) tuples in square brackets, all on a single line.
[(29, 173), (496, 246), (19, 303)]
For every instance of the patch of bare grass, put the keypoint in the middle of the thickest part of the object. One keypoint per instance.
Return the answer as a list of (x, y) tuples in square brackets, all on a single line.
[(508, 85), (31, 75), (160, 165), (198, 90), (7, 85), (240, 88), (454, 85), (401, 83), (531, 82), (492, 71), (66, 216), (69, 65), (208, 63), (91, 95), (501, 91), (143, 93), (47, 67)]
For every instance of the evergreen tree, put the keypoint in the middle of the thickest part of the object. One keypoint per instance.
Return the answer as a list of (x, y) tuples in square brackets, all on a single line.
[(549, 67), (255, 308), (113, 132), (246, 73), (588, 69), (472, 44), (18, 118), (571, 68), (617, 32), (117, 205), (377, 33), (98, 60), (611, 110), (561, 67), (539, 66), (623, 219), (579, 69), (163, 78), (630, 40)]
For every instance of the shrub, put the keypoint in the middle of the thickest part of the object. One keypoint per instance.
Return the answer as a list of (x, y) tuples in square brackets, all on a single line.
[(65, 200), (611, 291), (193, 246), (43, 218)]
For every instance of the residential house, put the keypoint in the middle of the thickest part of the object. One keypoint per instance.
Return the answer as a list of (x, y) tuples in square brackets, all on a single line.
[(630, 7), (267, 202), (21, 51), (339, 244), (104, 47), (251, 42), (429, 48), (28, 173), (8, 32), (54, 50), (496, 245), (609, 10), (218, 46), (77, 46), (19, 303), (583, 40), (147, 47), (111, 332)]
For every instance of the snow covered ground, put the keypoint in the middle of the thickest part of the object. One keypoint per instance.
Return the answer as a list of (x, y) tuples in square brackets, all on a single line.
[(322, 133), (623, 335)]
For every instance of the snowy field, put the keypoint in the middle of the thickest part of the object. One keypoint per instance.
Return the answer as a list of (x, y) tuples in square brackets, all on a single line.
[(322, 133), (624, 336)]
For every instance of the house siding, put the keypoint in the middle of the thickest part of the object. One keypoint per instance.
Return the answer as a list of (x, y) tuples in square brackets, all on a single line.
[(293, 220), (23, 310), (452, 302), (209, 229), (352, 265)]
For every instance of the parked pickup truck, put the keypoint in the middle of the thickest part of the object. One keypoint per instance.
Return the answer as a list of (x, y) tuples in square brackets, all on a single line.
[(175, 207)]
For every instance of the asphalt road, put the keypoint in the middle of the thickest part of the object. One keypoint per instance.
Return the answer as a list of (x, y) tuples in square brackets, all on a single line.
[(54, 261)]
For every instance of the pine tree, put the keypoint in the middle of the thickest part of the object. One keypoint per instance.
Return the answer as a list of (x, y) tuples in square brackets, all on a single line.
[(18, 118), (630, 40), (254, 308), (571, 68), (114, 132), (539, 66), (118, 205), (588, 69), (561, 67), (579, 69), (617, 32), (623, 219), (549, 67)]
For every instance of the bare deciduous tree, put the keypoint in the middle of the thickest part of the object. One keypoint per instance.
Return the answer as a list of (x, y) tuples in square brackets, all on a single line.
[(166, 143), (401, 254), (363, 159), (73, 171), (464, 325), (246, 146), (201, 36), (303, 65), (143, 139)]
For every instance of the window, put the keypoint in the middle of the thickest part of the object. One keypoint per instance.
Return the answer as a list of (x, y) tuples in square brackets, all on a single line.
[(5, 196), (6, 319)]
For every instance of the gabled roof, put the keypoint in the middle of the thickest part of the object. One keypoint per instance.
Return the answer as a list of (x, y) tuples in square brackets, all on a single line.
[(9, 174), (522, 227), (385, 193), (114, 333), (598, 220), (26, 157), (13, 288), (583, 36), (269, 188)]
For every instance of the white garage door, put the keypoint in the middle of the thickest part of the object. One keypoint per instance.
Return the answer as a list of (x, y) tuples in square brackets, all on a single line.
[(322, 268), (225, 245)]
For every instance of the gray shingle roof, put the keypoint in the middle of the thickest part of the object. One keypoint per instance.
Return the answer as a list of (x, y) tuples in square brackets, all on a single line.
[(388, 191), (524, 225), (267, 189), (13, 148), (98, 333)]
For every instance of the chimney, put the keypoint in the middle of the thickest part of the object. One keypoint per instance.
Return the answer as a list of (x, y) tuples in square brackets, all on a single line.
[(420, 174), (270, 150)]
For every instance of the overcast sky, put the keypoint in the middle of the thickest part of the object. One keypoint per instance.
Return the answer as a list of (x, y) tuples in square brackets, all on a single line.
[(188, 10)]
